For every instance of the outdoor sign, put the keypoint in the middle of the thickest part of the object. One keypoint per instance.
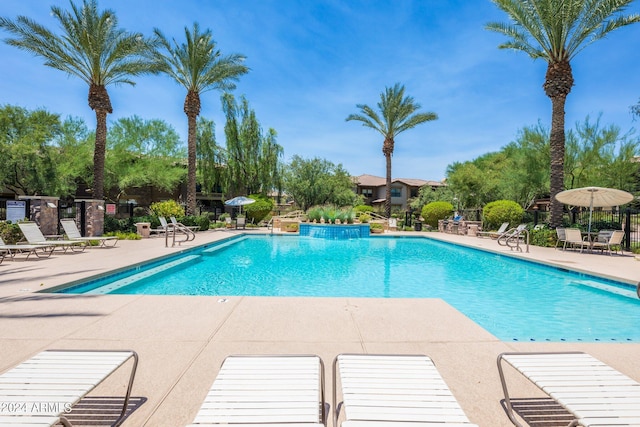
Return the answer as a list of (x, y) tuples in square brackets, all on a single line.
[(111, 209), (16, 210)]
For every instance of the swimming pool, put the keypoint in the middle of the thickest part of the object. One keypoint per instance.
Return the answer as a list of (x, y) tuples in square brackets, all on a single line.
[(515, 300)]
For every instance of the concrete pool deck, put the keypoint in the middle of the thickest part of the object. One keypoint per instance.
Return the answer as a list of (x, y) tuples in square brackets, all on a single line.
[(182, 340)]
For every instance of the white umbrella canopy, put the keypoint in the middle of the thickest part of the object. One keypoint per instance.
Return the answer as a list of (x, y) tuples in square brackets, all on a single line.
[(594, 197), (239, 201)]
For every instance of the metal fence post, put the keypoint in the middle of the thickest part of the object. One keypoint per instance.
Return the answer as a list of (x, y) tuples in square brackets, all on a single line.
[(627, 230)]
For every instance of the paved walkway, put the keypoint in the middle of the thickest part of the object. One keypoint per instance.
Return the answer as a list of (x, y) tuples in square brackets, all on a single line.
[(182, 340)]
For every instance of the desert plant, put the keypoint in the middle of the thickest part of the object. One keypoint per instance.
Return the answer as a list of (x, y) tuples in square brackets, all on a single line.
[(495, 213), (434, 211)]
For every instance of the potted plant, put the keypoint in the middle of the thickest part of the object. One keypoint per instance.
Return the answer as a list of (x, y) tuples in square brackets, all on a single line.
[(376, 227)]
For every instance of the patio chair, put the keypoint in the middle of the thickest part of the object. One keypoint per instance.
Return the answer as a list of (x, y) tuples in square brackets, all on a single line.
[(388, 390), (12, 250), (594, 393), (614, 240), (72, 232), (282, 390), (35, 237), (494, 234), (45, 387), (241, 222), (573, 238), (561, 237)]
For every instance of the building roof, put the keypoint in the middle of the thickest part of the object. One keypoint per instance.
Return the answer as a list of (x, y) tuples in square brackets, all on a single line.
[(378, 181)]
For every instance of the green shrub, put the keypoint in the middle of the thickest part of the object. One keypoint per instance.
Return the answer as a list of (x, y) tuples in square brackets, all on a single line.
[(365, 218), (360, 209), (10, 233), (204, 222), (167, 209), (124, 236), (495, 213), (258, 210), (543, 237), (434, 211)]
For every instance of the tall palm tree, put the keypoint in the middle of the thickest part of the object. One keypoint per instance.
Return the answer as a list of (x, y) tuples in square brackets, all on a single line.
[(556, 31), (398, 114), (198, 66), (93, 48)]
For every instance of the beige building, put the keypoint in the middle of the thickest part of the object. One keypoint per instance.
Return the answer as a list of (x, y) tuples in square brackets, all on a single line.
[(372, 188)]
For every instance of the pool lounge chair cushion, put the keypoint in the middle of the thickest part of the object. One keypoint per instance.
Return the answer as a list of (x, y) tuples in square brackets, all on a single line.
[(72, 232), (592, 391), (393, 390), (59, 378), (274, 390)]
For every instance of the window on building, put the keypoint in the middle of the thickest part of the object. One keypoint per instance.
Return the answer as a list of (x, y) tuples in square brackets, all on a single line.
[(396, 192), (367, 192)]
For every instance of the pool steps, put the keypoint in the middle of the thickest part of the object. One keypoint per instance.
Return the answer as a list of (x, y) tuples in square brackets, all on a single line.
[(607, 288), (142, 275), (223, 245)]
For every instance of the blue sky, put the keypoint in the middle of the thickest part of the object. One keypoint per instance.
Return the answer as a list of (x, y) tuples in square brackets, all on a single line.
[(312, 61)]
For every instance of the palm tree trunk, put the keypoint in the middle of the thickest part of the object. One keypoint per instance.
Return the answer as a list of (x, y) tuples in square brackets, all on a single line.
[(557, 85), (557, 158), (99, 154), (387, 198), (191, 166), (192, 110), (99, 102)]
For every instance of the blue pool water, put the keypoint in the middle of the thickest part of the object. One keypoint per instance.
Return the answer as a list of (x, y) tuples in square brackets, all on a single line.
[(514, 300)]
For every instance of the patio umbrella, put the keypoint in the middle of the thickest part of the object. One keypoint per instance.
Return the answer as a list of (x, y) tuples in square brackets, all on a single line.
[(239, 201), (594, 197)]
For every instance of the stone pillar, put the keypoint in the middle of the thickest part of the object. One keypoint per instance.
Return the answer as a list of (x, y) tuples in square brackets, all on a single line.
[(43, 210), (90, 217)]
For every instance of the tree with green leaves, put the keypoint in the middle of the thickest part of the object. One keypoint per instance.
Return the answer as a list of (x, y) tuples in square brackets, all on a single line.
[(36, 140), (199, 66), (318, 182), (397, 114), (92, 48), (210, 157), (143, 153), (26, 146), (252, 156), (556, 31)]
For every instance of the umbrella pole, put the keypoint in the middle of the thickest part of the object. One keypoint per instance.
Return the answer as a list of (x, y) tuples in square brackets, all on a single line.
[(590, 214)]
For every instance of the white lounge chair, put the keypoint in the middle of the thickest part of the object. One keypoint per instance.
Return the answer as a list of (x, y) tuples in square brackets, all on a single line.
[(72, 232), (592, 391), (43, 389), (12, 250), (286, 391), (34, 236), (393, 390), (494, 234)]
